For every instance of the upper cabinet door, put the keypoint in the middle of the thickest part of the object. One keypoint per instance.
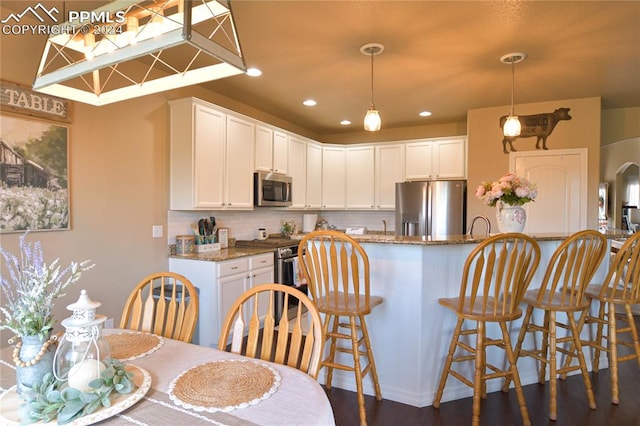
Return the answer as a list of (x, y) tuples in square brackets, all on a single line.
[(360, 177), (449, 159), (264, 149), (239, 165), (197, 140), (418, 160), (333, 178), (298, 172), (389, 170), (280, 152), (314, 176)]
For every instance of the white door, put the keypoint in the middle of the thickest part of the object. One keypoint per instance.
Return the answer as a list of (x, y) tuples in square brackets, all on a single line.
[(561, 178)]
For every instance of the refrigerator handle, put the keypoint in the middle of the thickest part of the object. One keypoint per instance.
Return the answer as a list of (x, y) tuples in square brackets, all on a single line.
[(429, 209)]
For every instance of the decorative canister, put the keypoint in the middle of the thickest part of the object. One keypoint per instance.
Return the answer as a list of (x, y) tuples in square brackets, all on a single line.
[(185, 244)]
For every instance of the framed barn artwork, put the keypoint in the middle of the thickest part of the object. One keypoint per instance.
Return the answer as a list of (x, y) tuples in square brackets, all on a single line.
[(34, 174)]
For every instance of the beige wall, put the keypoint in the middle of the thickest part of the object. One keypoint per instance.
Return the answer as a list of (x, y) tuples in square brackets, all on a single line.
[(487, 161), (620, 124)]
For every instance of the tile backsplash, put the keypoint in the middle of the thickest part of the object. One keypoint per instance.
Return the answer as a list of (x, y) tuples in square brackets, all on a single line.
[(244, 225)]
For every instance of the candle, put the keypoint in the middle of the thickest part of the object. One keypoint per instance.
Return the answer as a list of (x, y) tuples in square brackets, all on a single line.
[(83, 373)]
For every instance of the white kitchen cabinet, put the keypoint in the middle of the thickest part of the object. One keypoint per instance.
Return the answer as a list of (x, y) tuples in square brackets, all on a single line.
[(196, 172), (435, 159), (333, 177), (389, 169), (211, 158), (297, 167), (314, 176), (360, 177), (239, 164), (219, 284), (271, 150)]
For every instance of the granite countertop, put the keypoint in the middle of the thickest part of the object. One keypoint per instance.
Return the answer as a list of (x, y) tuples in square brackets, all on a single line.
[(381, 238), (223, 254)]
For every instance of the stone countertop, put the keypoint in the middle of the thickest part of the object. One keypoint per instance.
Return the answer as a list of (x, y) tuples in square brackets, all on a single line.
[(380, 238), (223, 254)]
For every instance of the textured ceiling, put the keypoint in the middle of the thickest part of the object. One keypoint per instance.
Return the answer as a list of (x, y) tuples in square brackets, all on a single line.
[(441, 56)]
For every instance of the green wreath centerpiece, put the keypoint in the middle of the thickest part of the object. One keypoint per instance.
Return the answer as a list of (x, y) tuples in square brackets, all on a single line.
[(55, 400)]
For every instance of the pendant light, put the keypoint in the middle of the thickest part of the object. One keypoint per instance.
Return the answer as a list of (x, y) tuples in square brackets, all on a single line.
[(372, 120), (146, 47), (512, 126)]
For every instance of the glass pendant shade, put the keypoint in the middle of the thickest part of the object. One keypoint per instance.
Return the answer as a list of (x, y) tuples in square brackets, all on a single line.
[(372, 120), (511, 126)]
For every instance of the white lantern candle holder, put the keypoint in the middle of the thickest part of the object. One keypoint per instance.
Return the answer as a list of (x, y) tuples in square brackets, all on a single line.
[(82, 348)]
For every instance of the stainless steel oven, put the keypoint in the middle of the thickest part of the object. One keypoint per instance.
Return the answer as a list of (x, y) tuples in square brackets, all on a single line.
[(285, 254)]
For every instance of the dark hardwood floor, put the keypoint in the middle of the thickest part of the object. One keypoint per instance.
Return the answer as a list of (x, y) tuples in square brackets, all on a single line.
[(500, 409)]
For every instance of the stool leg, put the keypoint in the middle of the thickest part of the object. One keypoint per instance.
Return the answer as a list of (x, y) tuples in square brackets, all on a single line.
[(634, 331), (478, 377), (514, 374), (448, 362), (332, 350), (583, 364), (521, 336), (553, 407), (357, 369), (372, 362), (545, 346), (613, 353), (599, 327)]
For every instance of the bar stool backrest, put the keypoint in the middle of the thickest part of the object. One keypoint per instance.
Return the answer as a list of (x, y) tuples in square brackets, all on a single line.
[(623, 277), (334, 265), (497, 273), (571, 268)]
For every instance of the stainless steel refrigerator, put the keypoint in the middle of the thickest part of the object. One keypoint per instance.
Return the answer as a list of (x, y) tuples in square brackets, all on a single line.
[(431, 208)]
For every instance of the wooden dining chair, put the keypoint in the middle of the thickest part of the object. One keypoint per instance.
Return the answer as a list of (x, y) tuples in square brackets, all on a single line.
[(621, 287), (562, 290), (494, 279), (163, 303), (336, 269), (294, 339)]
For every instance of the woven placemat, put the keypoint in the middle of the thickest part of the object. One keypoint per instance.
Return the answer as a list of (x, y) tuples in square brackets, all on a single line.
[(128, 346), (224, 385)]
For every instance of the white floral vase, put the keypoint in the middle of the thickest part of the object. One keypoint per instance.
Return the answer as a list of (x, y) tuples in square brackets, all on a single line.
[(510, 218)]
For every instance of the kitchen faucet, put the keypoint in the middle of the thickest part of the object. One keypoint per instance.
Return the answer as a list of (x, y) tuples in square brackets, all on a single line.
[(384, 223), (486, 220)]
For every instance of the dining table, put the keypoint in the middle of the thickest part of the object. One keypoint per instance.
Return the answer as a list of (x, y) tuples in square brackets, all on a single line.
[(181, 383)]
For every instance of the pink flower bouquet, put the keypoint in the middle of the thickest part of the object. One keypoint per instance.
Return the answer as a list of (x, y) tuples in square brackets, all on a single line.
[(509, 189)]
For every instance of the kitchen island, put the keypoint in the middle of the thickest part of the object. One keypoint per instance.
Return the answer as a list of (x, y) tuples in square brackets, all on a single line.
[(410, 332)]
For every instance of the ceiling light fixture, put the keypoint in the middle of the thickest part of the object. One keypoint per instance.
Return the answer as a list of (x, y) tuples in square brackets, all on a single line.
[(372, 120), (309, 103), (511, 125), (140, 47)]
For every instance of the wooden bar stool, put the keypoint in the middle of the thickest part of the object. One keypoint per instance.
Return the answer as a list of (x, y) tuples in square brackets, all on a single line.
[(495, 276), (621, 287), (336, 268), (568, 273)]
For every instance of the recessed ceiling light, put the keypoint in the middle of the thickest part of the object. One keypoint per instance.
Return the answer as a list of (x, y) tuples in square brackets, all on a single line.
[(345, 122), (309, 102), (425, 114), (254, 72)]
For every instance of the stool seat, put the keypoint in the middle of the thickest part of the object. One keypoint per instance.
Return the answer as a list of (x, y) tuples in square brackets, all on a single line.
[(554, 301), (347, 304), (477, 309)]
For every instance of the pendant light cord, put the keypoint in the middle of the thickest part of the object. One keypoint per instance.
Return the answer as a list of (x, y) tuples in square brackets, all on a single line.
[(513, 85), (371, 51)]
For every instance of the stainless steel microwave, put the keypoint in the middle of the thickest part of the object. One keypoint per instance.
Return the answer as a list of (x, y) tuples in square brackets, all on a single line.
[(271, 189)]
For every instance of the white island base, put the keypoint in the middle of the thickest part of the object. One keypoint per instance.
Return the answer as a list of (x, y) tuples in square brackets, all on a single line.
[(410, 332)]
